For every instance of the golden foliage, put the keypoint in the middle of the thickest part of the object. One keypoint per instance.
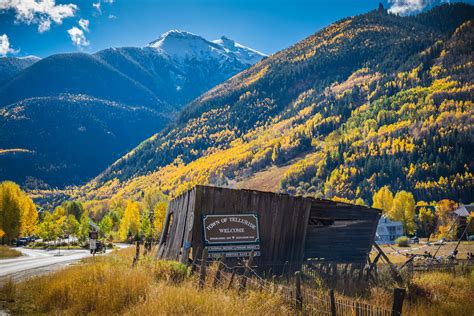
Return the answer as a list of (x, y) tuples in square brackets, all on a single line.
[(130, 223), (383, 199)]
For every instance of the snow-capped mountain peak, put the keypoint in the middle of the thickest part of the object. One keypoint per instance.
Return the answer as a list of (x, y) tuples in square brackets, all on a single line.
[(182, 45), (245, 54), (174, 36), (30, 57)]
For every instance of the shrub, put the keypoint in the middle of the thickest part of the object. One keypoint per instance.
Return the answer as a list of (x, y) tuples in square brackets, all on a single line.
[(402, 241), (171, 271)]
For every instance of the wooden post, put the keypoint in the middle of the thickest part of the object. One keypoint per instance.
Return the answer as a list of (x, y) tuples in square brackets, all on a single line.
[(232, 277), (298, 295), (395, 274), (361, 271), (220, 265), (398, 297), (334, 273), (195, 259), (202, 274), (333, 302), (137, 254), (273, 284), (243, 280)]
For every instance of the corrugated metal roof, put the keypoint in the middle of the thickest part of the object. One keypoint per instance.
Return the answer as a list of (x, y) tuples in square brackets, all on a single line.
[(462, 210)]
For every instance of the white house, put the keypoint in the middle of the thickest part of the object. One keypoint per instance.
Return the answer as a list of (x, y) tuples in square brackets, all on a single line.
[(388, 230)]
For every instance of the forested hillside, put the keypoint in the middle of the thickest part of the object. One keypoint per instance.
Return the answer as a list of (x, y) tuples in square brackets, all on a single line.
[(369, 101), (84, 133), (10, 66), (63, 119)]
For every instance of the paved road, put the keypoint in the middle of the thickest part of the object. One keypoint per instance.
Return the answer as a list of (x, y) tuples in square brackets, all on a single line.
[(38, 261)]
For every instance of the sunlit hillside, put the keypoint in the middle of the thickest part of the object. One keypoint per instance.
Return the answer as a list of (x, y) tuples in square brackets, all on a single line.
[(363, 103)]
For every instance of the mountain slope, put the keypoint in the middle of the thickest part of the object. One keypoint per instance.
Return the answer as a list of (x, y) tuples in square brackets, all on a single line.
[(149, 76), (179, 66), (11, 66), (64, 153), (76, 73), (148, 84), (311, 101)]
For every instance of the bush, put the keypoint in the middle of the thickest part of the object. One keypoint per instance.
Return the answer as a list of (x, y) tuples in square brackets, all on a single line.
[(169, 271), (402, 241)]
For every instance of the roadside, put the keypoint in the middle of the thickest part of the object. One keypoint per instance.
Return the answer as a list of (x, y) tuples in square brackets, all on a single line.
[(8, 252), (40, 261)]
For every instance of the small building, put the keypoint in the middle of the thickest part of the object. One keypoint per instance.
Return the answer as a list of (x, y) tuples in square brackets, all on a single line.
[(388, 230), (280, 229), (461, 214)]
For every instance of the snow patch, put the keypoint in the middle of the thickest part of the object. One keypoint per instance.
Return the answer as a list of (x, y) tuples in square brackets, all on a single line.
[(181, 45)]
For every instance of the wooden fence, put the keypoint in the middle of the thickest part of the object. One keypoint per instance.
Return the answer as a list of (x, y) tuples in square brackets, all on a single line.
[(300, 296)]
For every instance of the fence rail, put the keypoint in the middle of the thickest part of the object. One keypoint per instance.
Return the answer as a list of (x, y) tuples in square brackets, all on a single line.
[(296, 294), (295, 282)]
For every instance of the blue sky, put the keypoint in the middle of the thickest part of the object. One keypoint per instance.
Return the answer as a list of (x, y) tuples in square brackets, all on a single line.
[(41, 28)]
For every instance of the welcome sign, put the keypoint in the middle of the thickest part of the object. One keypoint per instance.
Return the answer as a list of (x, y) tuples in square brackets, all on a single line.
[(231, 229)]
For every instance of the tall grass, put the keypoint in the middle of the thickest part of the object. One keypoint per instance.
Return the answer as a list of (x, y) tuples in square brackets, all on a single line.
[(109, 285), (187, 299), (7, 252), (441, 293)]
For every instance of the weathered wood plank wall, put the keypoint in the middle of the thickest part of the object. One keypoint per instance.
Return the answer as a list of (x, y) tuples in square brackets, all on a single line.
[(348, 239), (178, 211), (285, 232), (282, 219)]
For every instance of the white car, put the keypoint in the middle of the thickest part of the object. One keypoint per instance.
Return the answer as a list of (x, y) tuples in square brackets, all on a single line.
[(442, 241)]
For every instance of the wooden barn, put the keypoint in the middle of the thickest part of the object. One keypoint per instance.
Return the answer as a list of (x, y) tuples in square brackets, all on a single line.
[(279, 228)]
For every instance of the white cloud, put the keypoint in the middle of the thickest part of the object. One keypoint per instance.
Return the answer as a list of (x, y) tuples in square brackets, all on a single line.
[(5, 47), (406, 7), (96, 6), (44, 26), (84, 24), (112, 17), (109, 1), (77, 37), (41, 12)]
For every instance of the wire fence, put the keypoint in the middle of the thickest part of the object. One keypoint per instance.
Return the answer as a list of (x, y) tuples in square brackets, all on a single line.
[(302, 284), (308, 300)]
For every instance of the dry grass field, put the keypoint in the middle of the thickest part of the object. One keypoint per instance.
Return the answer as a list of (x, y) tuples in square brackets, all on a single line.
[(399, 254), (8, 252), (109, 285), (267, 180)]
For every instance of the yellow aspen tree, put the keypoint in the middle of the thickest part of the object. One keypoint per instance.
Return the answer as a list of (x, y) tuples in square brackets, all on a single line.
[(29, 217), (10, 211), (427, 221), (130, 223), (403, 210), (159, 216), (383, 199)]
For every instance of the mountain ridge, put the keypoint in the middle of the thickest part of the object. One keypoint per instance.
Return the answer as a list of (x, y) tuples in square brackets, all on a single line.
[(138, 81), (11, 66), (233, 130), (147, 73)]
